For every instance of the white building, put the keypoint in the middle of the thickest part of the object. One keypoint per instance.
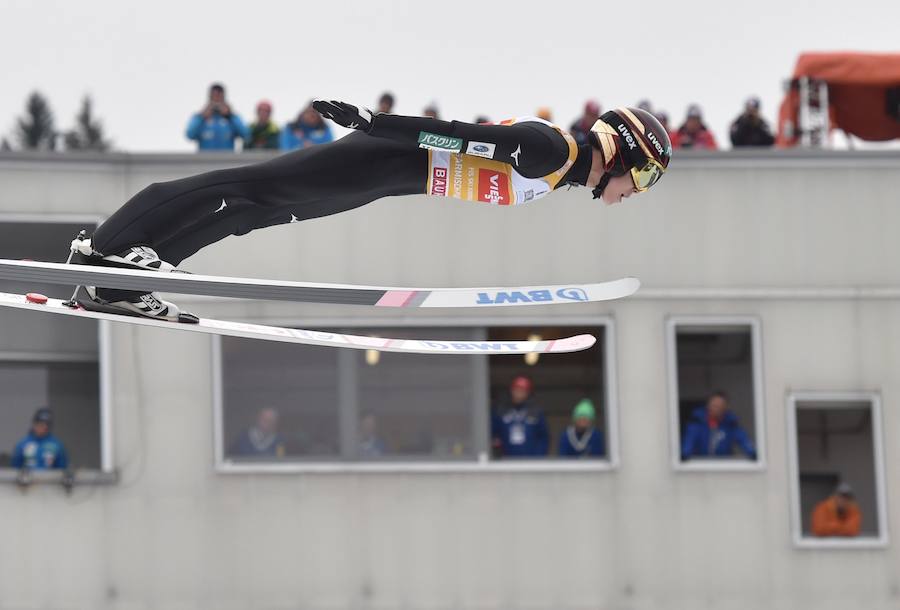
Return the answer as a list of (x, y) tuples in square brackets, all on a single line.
[(770, 275)]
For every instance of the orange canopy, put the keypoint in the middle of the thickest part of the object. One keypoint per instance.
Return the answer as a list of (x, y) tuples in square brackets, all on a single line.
[(858, 85)]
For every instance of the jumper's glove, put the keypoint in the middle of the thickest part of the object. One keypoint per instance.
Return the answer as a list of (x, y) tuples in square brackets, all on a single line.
[(344, 114)]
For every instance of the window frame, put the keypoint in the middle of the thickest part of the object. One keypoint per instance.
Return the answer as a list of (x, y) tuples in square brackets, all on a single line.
[(712, 321), (482, 463), (839, 398), (104, 350)]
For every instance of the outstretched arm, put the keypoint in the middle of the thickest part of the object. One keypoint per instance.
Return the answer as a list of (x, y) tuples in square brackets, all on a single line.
[(533, 148)]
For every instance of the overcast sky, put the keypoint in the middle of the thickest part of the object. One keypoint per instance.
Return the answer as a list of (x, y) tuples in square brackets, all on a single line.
[(147, 65)]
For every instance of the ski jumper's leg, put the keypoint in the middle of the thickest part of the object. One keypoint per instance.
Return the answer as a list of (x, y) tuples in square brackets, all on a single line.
[(180, 217)]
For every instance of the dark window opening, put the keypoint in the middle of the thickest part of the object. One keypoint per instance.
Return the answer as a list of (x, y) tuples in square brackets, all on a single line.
[(558, 384), (716, 397), (836, 464), (47, 362)]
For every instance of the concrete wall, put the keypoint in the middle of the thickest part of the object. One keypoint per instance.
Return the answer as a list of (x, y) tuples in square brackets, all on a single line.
[(722, 234)]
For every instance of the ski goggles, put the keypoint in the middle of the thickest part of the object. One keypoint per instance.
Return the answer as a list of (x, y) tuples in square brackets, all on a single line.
[(648, 175)]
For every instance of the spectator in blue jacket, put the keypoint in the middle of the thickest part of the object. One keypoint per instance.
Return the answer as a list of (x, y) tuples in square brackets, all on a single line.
[(216, 127), (581, 439), (40, 450), (520, 430), (261, 439), (308, 130), (714, 430), (371, 444)]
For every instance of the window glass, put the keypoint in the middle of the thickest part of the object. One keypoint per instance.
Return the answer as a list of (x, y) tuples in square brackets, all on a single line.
[(297, 402), (716, 400), (533, 398), (47, 362), (25, 331), (285, 402), (836, 466), (71, 392), (280, 401), (415, 405)]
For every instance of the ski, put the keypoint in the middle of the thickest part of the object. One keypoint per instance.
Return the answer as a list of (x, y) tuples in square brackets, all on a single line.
[(307, 337), (308, 292)]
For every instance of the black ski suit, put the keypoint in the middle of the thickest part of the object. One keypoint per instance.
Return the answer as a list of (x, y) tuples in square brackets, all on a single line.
[(180, 217)]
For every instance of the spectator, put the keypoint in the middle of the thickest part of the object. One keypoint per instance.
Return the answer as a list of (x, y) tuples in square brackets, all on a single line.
[(431, 111), (714, 430), (545, 113), (262, 438), (520, 430), (263, 132), (216, 127), (370, 444), (837, 515), (386, 102), (663, 117), (693, 133), (646, 106), (582, 127), (40, 450), (750, 129), (308, 130), (582, 439)]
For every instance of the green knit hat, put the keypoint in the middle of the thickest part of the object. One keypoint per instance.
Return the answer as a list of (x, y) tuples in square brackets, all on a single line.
[(585, 408)]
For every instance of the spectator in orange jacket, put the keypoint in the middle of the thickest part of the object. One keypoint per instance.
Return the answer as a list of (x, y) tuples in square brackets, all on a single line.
[(693, 133), (837, 515)]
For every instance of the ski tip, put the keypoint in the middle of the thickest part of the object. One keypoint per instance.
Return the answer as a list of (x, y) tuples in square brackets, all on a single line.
[(574, 344), (631, 284)]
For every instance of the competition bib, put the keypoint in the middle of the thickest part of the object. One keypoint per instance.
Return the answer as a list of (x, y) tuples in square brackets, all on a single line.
[(471, 175)]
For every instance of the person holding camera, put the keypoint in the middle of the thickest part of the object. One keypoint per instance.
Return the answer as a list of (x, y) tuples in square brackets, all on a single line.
[(216, 127), (750, 129)]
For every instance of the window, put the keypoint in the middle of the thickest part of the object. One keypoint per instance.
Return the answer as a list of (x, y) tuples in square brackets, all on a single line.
[(283, 407), (51, 361), (715, 393), (410, 407), (836, 470), (558, 384), (289, 393), (328, 405), (32, 384)]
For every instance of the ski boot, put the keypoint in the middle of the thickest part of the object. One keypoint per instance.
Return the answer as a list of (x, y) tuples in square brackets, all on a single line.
[(129, 302)]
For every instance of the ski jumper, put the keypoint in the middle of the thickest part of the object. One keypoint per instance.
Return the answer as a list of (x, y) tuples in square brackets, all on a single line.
[(505, 164)]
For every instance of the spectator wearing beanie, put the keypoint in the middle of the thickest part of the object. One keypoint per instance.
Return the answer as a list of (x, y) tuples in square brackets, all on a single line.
[(39, 449), (581, 439)]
